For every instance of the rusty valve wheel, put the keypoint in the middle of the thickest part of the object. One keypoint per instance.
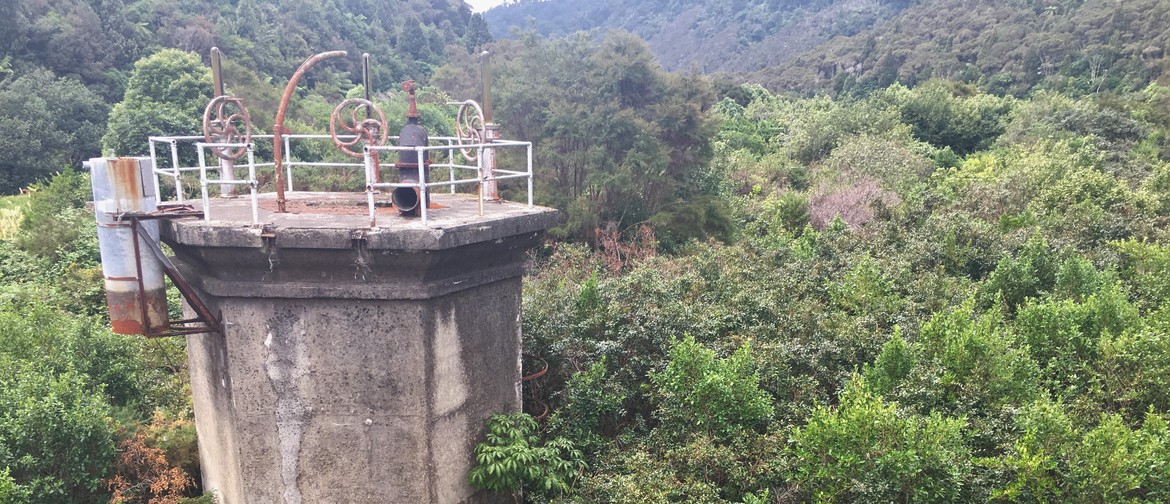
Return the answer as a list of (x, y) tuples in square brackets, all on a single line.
[(469, 128), (220, 126), (369, 131)]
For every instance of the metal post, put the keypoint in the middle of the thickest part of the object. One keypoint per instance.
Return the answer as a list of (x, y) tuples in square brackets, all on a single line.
[(203, 182), (479, 157), (176, 173), (529, 174), (424, 200), (451, 165), (216, 73), (288, 160), (252, 183), (154, 169), (369, 165)]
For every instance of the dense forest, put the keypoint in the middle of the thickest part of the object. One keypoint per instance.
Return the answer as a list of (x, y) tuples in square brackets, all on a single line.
[(900, 285), (715, 35), (1077, 46)]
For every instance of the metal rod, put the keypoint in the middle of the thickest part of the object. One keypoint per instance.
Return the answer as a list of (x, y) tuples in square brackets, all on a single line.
[(451, 165), (366, 80), (530, 175), (288, 159), (203, 183), (424, 201), (175, 166), (252, 184), (216, 72), (367, 160), (278, 126), (176, 277), (486, 69), (146, 329), (479, 156)]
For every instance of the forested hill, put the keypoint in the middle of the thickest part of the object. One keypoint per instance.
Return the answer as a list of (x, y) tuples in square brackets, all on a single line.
[(1078, 46), (821, 45), (718, 35), (97, 41)]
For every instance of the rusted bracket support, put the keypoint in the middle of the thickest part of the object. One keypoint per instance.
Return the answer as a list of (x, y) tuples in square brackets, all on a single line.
[(211, 323)]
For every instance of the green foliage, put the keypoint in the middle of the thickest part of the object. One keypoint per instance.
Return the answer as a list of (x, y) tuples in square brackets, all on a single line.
[(166, 95), (49, 124), (1135, 365), (1146, 268), (617, 139), (1056, 461), (939, 117), (56, 431), (698, 392), (514, 458), (591, 411), (865, 450)]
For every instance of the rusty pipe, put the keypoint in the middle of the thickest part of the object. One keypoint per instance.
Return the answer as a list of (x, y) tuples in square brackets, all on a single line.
[(278, 126)]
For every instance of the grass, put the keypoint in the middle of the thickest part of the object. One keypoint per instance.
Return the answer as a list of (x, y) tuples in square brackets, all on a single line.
[(11, 213)]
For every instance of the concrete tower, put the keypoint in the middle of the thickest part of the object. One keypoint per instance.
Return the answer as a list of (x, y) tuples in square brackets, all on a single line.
[(356, 364)]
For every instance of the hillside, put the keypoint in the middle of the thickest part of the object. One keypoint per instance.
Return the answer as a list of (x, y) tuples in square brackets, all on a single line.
[(1005, 46), (716, 35)]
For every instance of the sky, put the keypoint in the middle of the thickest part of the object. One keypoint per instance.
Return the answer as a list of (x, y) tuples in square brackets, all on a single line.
[(482, 5)]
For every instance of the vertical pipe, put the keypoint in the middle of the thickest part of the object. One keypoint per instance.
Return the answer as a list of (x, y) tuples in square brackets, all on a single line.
[(176, 173), (366, 80), (451, 164), (135, 292), (479, 158), (486, 70), (203, 182)]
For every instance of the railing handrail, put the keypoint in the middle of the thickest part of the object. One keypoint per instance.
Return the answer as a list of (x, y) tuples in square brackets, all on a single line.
[(451, 145)]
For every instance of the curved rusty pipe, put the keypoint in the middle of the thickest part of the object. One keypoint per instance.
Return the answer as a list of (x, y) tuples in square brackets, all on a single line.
[(278, 127)]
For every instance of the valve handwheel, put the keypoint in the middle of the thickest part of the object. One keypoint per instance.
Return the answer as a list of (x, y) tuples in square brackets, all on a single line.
[(369, 131), (225, 120), (469, 128)]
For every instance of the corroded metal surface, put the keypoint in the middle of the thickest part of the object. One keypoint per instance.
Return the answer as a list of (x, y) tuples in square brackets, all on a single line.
[(278, 129), (226, 120), (349, 131)]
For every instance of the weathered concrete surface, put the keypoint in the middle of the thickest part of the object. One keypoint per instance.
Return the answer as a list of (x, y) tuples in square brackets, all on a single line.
[(356, 373)]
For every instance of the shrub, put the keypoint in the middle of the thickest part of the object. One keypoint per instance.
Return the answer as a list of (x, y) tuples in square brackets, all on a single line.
[(514, 458), (57, 433), (698, 392), (865, 450)]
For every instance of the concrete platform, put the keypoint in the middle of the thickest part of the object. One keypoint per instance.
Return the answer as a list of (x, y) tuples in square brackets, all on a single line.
[(357, 364)]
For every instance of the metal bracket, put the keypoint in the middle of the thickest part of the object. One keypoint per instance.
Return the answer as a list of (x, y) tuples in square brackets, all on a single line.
[(210, 322)]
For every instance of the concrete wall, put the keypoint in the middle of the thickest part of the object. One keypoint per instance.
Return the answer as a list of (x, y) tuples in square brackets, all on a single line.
[(351, 375)]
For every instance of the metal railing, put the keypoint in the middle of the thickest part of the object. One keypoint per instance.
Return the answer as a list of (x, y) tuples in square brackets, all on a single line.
[(459, 174)]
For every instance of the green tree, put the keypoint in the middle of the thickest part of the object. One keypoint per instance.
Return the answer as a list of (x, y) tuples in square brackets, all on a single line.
[(56, 432), (698, 392), (866, 450), (49, 124), (477, 33), (166, 95)]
